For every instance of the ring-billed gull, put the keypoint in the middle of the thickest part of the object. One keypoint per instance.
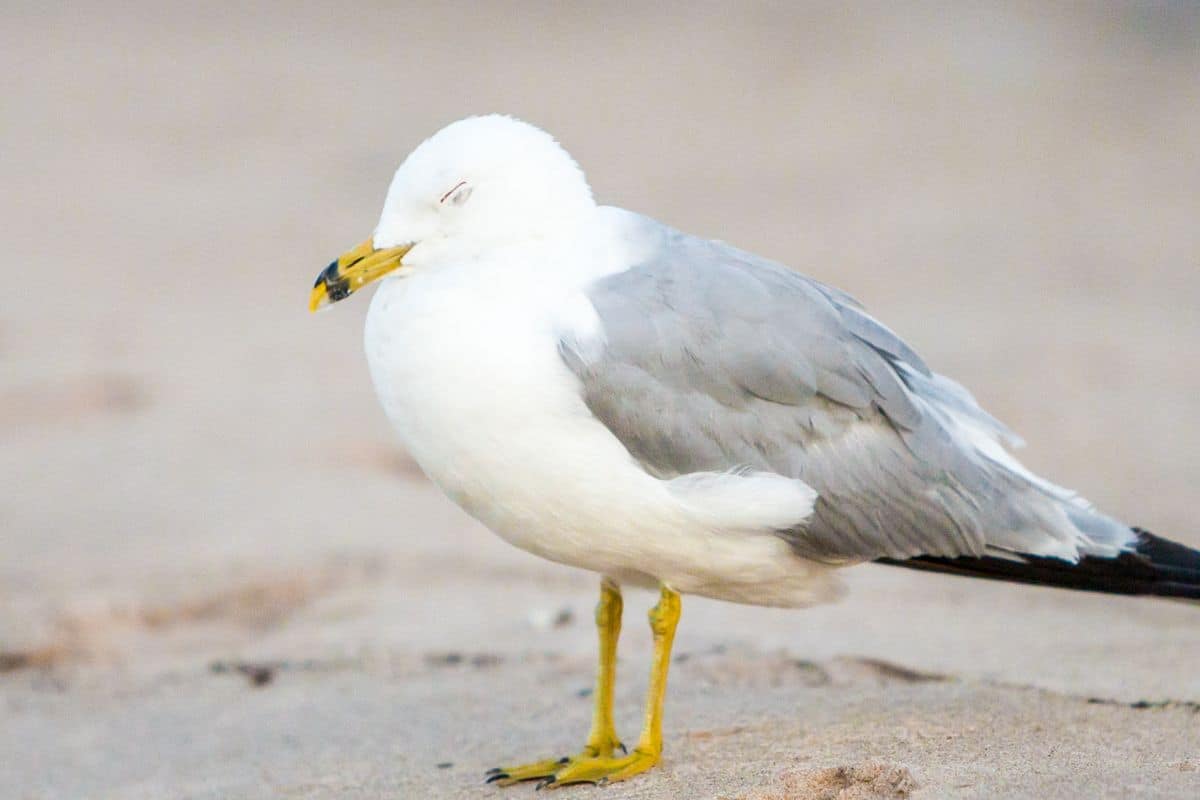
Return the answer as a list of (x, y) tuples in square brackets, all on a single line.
[(609, 393)]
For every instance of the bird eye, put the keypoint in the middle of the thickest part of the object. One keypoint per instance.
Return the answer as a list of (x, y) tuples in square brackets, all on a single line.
[(457, 195)]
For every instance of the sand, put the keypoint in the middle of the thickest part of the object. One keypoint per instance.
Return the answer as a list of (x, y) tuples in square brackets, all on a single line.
[(220, 579)]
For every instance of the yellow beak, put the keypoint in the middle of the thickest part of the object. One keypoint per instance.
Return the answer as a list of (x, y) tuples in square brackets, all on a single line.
[(354, 270)]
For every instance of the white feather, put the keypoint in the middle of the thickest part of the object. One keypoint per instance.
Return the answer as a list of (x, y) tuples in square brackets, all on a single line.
[(463, 351)]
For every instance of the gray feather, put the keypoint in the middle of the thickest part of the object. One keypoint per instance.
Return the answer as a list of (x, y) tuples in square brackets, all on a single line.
[(714, 359)]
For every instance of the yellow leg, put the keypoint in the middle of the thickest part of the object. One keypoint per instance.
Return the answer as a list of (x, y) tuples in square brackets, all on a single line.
[(606, 769), (602, 741)]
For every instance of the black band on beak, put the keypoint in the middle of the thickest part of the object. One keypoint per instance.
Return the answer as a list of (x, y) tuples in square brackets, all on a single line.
[(336, 286)]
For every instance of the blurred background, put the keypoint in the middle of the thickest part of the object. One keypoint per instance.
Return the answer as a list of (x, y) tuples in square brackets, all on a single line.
[(196, 476)]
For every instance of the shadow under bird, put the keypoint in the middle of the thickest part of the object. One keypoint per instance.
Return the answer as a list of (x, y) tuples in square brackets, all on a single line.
[(607, 392)]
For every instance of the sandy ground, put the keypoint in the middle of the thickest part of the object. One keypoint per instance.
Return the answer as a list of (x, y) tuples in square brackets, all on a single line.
[(218, 578)]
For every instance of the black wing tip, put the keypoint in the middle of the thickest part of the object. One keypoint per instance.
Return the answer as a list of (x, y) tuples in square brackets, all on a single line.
[(1167, 554), (1156, 567)]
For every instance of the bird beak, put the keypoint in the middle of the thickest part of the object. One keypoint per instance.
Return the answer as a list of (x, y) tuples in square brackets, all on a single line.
[(354, 270)]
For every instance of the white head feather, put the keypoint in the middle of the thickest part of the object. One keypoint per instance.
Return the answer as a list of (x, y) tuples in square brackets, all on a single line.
[(480, 184)]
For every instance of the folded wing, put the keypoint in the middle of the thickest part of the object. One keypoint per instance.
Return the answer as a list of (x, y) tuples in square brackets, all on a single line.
[(712, 359)]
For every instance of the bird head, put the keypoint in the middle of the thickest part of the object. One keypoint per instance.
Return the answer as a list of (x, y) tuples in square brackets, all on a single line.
[(477, 185)]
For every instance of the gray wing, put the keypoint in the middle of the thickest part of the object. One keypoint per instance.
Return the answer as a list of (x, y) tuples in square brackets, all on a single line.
[(713, 359)]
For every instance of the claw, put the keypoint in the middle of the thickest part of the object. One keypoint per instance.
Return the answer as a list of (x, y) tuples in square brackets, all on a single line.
[(543, 783), (499, 776), (622, 746), (493, 771)]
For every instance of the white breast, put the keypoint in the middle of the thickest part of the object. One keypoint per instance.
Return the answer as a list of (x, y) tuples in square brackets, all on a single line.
[(466, 365)]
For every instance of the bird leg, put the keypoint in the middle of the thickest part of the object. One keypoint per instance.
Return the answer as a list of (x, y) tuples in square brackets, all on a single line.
[(601, 769), (602, 741)]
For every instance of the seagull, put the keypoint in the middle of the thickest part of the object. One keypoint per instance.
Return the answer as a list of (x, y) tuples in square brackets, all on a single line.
[(671, 412)]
